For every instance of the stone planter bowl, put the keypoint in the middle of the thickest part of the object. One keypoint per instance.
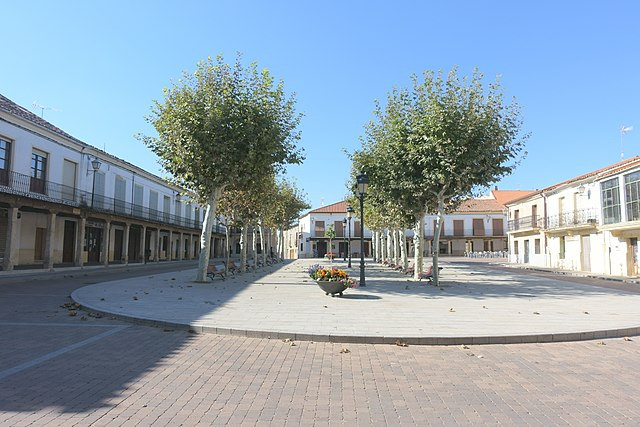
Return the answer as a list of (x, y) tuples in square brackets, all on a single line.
[(332, 287)]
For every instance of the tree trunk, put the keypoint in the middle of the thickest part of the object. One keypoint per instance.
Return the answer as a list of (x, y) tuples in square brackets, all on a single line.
[(396, 247), (380, 246), (418, 236), (374, 242), (389, 245), (263, 246), (205, 236), (436, 240), (281, 241), (254, 246), (243, 248), (227, 247), (403, 248)]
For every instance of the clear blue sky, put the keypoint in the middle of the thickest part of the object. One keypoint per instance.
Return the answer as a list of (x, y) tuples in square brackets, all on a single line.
[(574, 67)]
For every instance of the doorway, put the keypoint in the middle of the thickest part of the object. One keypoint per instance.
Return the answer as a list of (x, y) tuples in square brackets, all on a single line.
[(38, 252), (118, 237), (93, 241), (69, 241), (526, 251), (322, 249), (134, 244), (633, 257), (586, 253)]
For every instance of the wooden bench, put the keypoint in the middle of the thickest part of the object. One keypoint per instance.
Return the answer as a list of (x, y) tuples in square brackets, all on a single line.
[(232, 267), (214, 270)]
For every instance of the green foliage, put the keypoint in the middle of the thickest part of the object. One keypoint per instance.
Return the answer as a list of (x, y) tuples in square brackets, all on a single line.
[(224, 125)]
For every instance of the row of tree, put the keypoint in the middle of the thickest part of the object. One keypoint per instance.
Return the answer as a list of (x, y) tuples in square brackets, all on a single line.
[(428, 148), (224, 134)]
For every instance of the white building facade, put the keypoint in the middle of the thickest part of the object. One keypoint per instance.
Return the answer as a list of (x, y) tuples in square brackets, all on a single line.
[(65, 202), (590, 223)]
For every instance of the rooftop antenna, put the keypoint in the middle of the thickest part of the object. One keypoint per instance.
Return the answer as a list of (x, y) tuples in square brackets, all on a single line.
[(36, 104), (321, 201), (623, 130)]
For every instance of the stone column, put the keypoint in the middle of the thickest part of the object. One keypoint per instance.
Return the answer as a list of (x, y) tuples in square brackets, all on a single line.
[(12, 244), (49, 241), (192, 251), (156, 256), (180, 246), (125, 243), (170, 248), (105, 243), (143, 243), (80, 230)]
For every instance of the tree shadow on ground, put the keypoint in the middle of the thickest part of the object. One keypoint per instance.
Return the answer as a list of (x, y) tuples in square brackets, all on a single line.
[(43, 358)]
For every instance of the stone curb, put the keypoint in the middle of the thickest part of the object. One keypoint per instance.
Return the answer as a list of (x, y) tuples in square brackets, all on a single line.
[(353, 339)]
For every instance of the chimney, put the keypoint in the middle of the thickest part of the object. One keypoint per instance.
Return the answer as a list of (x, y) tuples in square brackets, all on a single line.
[(496, 188)]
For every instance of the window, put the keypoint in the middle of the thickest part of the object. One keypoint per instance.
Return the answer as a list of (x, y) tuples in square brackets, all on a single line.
[(153, 204), (5, 155), (537, 246), (498, 227), (478, 227), (319, 230), (632, 195), (515, 247), (562, 247), (339, 229), (534, 215), (610, 201), (458, 227)]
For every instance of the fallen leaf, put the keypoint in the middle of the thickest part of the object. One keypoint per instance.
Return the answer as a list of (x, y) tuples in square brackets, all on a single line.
[(480, 356), (535, 312), (72, 313), (345, 350), (627, 339), (286, 340), (400, 343), (464, 347), (451, 310), (586, 312), (600, 343)]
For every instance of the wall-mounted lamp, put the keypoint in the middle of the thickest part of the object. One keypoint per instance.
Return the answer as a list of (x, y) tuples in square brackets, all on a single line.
[(581, 189), (95, 164)]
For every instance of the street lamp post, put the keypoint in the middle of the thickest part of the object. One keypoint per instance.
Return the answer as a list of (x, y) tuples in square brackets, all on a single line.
[(349, 213), (363, 183), (344, 226), (95, 164)]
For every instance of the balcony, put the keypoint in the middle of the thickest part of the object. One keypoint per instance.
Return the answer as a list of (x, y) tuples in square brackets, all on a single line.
[(527, 223), (23, 185), (583, 218)]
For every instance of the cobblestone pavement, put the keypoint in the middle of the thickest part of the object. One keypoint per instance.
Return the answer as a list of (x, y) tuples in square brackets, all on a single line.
[(57, 369)]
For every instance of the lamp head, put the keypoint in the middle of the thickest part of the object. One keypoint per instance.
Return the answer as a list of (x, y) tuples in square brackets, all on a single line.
[(349, 211), (95, 164), (363, 183)]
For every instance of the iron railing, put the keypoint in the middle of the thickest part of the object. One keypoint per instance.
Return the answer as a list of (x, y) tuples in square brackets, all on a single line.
[(526, 223), (25, 185), (573, 218)]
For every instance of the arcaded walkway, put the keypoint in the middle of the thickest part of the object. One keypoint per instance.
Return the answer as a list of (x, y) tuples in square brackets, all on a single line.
[(477, 303)]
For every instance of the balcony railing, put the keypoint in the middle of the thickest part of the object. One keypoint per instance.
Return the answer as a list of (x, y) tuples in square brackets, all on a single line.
[(526, 223), (23, 185), (573, 218)]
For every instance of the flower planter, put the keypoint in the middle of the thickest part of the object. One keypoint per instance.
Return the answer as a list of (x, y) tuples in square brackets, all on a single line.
[(332, 287)]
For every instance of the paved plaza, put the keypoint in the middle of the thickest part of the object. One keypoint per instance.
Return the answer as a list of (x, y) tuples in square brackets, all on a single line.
[(476, 304), (57, 369)]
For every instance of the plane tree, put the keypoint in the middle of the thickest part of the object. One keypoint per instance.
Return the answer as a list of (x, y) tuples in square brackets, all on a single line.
[(219, 126)]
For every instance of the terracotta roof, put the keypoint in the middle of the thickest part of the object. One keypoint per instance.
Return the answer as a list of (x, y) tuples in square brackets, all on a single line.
[(11, 107), (505, 196), (480, 205), (601, 173), (338, 207)]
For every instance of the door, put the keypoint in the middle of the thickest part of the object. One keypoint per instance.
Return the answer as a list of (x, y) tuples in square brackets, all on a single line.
[(526, 252), (120, 194), (586, 253), (93, 240), (97, 201), (118, 237), (38, 249), (134, 244), (322, 249), (69, 241), (68, 180), (633, 258)]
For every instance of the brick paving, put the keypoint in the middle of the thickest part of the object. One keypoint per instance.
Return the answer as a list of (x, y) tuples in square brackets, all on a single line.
[(143, 375)]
